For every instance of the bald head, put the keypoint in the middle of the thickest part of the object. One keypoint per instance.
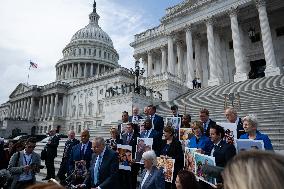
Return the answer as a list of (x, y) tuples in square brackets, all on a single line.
[(85, 136), (231, 115)]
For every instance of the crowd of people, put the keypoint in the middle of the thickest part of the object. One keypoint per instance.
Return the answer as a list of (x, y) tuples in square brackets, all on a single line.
[(95, 164)]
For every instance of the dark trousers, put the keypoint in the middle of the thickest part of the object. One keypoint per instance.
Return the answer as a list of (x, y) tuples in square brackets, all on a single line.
[(63, 169), (49, 162), (24, 184)]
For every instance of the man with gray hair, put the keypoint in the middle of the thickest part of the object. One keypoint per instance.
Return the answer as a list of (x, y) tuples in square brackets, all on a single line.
[(103, 172), (232, 117), (135, 115), (64, 166)]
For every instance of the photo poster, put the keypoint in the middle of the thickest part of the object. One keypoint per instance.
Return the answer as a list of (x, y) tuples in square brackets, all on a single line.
[(248, 144), (143, 145), (200, 160), (230, 131), (125, 156), (189, 161), (185, 135), (123, 128), (175, 122), (141, 124), (80, 169), (168, 167)]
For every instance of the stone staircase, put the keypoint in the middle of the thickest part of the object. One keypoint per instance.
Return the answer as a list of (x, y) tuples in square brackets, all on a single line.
[(263, 97)]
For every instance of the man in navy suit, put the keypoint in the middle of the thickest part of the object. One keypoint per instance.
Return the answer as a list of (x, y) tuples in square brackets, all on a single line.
[(206, 121), (222, 151), (82, 151), (149, 132), (103, 172), (157, 121), (135, 115)]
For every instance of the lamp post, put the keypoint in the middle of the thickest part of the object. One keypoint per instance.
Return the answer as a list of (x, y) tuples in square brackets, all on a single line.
[(137, 72)]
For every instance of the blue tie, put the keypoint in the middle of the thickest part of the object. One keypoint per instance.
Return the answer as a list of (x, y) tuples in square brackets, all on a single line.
[(96, 170)]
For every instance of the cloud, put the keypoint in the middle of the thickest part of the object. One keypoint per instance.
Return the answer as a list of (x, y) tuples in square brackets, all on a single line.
[(39, 30)]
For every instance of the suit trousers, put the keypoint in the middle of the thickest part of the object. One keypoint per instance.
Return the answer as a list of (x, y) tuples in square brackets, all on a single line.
[(63, 169), (49, 162)]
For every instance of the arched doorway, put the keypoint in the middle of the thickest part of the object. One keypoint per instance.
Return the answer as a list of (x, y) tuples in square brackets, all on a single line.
[(257, 69)]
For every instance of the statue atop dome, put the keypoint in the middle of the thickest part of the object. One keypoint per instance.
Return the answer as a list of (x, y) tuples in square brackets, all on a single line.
[(95, 6)]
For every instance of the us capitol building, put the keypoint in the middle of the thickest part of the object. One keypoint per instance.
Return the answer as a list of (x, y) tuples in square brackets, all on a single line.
[(218, 41)]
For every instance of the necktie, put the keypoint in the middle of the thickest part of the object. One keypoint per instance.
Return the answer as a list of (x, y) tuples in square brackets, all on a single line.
[(147, 132), (96, 170), (83, 150), (128, 138)]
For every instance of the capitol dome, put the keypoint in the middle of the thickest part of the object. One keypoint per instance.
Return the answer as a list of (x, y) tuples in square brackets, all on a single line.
[(89, 53)]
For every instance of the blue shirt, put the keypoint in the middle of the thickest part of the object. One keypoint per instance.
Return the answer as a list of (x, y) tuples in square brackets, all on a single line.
[(260, 136), (203, 143)]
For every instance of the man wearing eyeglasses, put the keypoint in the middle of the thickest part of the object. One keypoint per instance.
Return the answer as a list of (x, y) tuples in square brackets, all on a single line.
[(24, 165)]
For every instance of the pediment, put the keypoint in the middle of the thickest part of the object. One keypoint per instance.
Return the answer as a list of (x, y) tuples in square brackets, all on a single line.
[(21, 88)]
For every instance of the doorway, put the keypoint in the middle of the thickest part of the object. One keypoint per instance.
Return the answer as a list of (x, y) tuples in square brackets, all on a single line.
[(257, 69)]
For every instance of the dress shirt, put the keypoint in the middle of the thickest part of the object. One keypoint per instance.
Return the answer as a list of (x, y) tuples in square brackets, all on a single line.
[(27, 160), (205, 125), (97, 166), (148, 132), (84, 147), (145, 177), (152, 118), (213, 149)]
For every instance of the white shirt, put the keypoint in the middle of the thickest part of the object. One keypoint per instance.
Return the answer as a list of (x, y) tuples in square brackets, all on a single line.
[(27, 160), (145, 177), (101, 155), (213, 150)]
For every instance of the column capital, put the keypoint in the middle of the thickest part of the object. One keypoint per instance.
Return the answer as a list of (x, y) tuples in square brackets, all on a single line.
[(188, 27), (209, 21), (163, 48), (260, 3), (149, 52), (233, 11), (180, 43)]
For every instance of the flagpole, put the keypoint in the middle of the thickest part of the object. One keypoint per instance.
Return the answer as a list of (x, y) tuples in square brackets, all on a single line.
[(29, 74)]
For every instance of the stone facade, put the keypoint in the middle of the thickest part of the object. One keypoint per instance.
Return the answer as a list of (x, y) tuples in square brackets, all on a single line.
[(209, 39)]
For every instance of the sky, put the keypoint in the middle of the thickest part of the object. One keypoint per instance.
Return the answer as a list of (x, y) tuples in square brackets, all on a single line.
[(38, 30)]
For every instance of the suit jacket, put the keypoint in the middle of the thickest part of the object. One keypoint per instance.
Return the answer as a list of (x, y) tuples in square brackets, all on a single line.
[(17, 169), (154, 135), (155, 180), (108, 171), (158, 125), (207, 131), (223, 153), (132, 142), (68, 147), (52, 147), (240, 128), (77, 155)]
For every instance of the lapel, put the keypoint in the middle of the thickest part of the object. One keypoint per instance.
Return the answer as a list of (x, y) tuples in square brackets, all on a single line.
[(148, 178)]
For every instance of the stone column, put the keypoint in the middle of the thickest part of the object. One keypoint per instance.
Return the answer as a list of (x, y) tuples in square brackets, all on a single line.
[(240, 64), (271, 66), (213, 78), (31, 113), (164, 59), (98, 71), (198, 64), (39, 107), (64, 106), (150, 63), (85, 70), (47, 107), (43, 107), (72, 70), (79, 70), (189, 56), (92, 70), (145, 65), (28, 108), (18, 108), (22, 108), (55, 113), (218, 58), (51, 106), (171, 57), (180, 59), (15, 110)]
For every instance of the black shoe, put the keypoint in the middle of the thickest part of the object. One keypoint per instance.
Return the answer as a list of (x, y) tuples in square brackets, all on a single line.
[(45, 178)]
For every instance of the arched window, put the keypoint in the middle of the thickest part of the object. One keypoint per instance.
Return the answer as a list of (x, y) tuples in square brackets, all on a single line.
[(105, 54), (90, 109), (73, 111)]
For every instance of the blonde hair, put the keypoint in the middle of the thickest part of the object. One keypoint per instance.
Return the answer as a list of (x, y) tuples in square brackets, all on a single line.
[(198, 125), (254, 169)]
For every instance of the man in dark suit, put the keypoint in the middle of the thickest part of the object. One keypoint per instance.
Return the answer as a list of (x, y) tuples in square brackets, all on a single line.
[(82, 151), (157, 121), (124, 118), (174, 110), (51, 150), (206, 121), (222, 151), (135, 115), (103, 172), (149, 132), (232, 117), (130, 138), (64, 166)]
